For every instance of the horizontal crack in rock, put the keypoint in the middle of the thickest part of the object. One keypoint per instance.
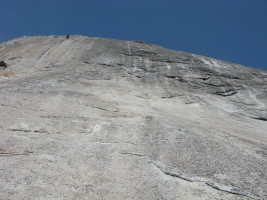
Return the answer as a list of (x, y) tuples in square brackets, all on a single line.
[(226, 93), (231, 190), (228, 189), (261, 118), (257, 118), (18, 129), (10, 154), (114, 142), (104, 109), (171, 173), (134, 154)]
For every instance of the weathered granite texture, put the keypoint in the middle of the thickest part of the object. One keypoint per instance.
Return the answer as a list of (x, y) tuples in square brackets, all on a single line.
[(93, 118)]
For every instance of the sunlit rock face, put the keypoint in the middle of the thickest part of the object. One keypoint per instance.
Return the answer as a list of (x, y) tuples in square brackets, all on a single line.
[(93, 118)]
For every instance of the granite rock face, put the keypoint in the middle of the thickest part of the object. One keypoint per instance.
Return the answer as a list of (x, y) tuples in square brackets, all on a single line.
[(93, 118)]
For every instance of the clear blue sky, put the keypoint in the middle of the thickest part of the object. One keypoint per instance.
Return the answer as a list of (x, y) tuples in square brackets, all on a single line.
[(231, 30)]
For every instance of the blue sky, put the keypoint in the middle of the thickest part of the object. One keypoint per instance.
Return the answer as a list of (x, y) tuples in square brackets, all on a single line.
[(230, 30)]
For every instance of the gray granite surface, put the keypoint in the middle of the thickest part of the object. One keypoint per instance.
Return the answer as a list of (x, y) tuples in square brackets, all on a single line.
[(93, 118)]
